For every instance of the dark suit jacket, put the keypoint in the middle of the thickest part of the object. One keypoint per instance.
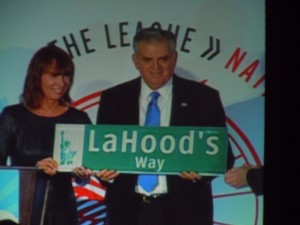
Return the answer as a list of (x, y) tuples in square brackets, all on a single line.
[(186, 202), (255, 180)]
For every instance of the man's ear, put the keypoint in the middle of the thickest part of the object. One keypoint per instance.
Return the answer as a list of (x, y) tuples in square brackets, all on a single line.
[(133, 57), (175, 56)]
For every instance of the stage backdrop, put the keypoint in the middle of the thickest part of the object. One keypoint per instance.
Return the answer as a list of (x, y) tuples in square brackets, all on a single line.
[(220, 43)]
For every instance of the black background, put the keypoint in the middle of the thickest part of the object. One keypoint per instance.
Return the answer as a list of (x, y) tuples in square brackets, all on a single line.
[(282, 137)]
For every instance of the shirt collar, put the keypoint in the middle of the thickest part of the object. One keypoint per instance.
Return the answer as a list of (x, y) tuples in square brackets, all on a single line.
[(164, 91)]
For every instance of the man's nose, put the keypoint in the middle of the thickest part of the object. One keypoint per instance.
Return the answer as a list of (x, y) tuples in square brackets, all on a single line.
[(156, 64)]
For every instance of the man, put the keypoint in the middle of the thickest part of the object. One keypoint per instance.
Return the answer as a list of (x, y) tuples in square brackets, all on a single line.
[(176, 200)]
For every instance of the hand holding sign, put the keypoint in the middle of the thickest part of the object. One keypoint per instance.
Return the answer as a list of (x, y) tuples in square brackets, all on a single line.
[(190, 176), (107, 175)]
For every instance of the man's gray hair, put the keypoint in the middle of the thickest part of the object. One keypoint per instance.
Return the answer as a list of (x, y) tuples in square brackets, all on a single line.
[(154, 35)]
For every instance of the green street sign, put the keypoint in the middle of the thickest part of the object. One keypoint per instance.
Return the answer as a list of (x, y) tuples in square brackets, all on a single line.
[(140, 149)]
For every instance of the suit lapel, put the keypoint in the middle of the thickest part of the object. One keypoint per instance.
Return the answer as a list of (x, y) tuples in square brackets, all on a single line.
[(180, 102)]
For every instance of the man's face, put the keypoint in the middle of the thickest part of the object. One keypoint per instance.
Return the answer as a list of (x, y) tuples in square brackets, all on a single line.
[(156, 62)]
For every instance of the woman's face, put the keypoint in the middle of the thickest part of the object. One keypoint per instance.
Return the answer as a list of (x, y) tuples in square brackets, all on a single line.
[(54, 84)]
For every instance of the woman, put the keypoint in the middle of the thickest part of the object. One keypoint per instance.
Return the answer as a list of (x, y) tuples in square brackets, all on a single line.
[(27, 131)]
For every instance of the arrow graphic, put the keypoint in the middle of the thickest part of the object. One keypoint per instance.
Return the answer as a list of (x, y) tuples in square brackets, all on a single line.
[(211, 49)]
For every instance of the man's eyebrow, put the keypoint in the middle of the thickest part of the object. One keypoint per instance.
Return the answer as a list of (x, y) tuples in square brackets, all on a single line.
[(161, 57), (146, 57), (165, 57)]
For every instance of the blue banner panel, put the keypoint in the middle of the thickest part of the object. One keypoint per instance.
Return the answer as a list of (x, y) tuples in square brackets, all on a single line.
[(9, 195)]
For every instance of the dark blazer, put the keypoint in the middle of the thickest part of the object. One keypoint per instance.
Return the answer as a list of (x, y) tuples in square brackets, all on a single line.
[(193, 104), (255, 180)]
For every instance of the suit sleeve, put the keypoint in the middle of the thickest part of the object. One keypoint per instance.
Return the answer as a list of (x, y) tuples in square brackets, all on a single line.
[(219, 119), (230, 156), (255, 180)]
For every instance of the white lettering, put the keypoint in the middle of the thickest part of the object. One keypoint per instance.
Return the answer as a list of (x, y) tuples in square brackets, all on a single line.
[(188, 141), (152, 163), (160, 163), (163, 147), (92, 148), (129, 141), (201, 134), (110, 145), (140, 162), (210, 142), (150, 139)]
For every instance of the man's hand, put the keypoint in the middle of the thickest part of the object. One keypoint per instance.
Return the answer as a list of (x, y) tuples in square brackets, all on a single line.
[(106, 175), (192, 176), (237, 177)]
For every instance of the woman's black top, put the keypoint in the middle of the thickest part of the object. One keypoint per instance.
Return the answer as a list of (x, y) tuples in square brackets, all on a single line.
[(27, 138)]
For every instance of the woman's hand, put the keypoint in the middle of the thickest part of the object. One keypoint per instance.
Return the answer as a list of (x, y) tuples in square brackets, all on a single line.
[(105, 175), (48, 165), (82, 173)]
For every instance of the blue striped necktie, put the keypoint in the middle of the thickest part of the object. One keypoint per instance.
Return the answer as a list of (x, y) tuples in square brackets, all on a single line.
[(149, 181)]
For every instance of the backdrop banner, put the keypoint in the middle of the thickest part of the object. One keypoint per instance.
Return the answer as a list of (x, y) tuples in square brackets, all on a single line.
[(140, 149), (220, 43)]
